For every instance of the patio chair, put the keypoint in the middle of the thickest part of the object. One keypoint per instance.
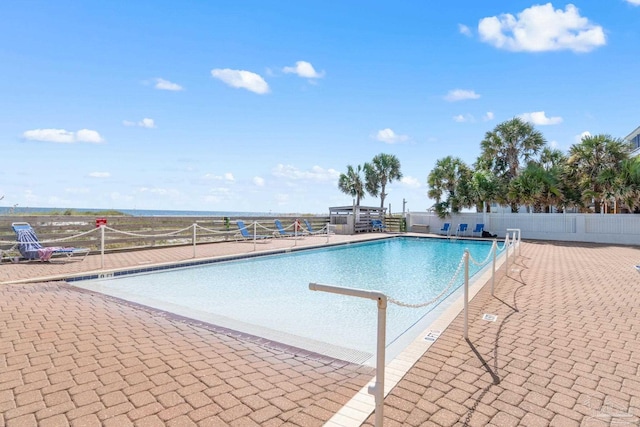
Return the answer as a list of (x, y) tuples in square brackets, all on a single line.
[(446, 228), (30, 247), (479, 229), (310, 229), (462, 229), (377, 224), (244, 233), (281, 231)]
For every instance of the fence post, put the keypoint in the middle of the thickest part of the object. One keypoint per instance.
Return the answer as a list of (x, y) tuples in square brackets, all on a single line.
[(102, 246), (255, 229), (494, 248), (378, 389), (506, 248), (194, 239), (466, 294)]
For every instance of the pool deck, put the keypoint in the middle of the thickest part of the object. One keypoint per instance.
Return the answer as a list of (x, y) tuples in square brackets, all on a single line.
[(564, 350)]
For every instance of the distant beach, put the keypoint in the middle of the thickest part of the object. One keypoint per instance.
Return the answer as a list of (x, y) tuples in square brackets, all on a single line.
[(7, 210)]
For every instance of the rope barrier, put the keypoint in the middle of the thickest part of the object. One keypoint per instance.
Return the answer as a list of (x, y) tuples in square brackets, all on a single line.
[(433, 300), (173, 233), (483, 263), (62, 239), (213, 231)]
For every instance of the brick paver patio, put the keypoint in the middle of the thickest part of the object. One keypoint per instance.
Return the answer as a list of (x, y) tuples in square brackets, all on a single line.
[(563, 351)]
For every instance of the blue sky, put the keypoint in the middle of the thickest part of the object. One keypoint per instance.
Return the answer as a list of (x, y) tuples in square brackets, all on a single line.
[(260, 105)]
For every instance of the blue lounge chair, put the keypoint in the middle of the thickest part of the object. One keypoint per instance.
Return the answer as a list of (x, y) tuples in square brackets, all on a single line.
[(30, 247), (462, 229), (479, 229), (245, 233), (377, 224), (446, 228), (281, 231), (310, 228)]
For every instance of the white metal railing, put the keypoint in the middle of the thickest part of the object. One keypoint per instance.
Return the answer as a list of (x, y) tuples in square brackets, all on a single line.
[(193, 236), (378, 389)]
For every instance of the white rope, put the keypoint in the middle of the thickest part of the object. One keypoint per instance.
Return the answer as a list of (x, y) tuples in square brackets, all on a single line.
[(62, 239), (173, 233), (213, 231), (425, 304), (506, 242), (486, 260)]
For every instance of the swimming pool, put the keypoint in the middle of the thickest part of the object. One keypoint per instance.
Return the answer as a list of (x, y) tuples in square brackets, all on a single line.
[(268, 296)]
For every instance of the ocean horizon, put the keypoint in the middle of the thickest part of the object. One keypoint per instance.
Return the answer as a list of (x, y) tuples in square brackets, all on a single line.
[(8, 210)]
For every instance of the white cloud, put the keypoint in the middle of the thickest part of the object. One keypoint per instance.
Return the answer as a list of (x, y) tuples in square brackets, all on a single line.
[(634, 2), (88, 135), (460, 95), (304, 69), (411, 182), (316, 173), (144, 123), (100, 175), (163, 84), (241, 79), (578, 138), (464, 30), (488, 116), (390, 137), (258, 181), (540, 118), (63, 136), (541, 28), (463, 118), (226, 177)]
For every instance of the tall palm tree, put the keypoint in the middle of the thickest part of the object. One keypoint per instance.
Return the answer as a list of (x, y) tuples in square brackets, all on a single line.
[(351, 183), (383, 170), (445, 182), (595, 161), (509, 145)]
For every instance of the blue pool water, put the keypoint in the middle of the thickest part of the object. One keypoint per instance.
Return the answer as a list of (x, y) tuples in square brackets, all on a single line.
[(269, 296)]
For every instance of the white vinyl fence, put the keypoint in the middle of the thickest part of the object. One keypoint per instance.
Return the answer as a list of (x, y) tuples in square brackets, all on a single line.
[(621, 229)]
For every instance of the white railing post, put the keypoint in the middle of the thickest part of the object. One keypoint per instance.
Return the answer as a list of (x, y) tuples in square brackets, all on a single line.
[(255, 230), (101, 245), (494, 248), (506, 248), (516, 239), (378, 389), (194, 239), (466, 294), (328, 226)]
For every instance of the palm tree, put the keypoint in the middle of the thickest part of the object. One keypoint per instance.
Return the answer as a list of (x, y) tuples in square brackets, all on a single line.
[(351, 183), (445, 182), (630, 191), (485, 189), (535, 187), (507, 146), (383, 170), (595, 162)]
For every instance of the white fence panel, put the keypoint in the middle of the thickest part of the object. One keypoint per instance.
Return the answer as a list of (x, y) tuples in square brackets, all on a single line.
[(595, 228)]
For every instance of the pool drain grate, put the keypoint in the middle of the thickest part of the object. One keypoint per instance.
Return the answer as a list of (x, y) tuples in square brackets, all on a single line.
[(432, 336)]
